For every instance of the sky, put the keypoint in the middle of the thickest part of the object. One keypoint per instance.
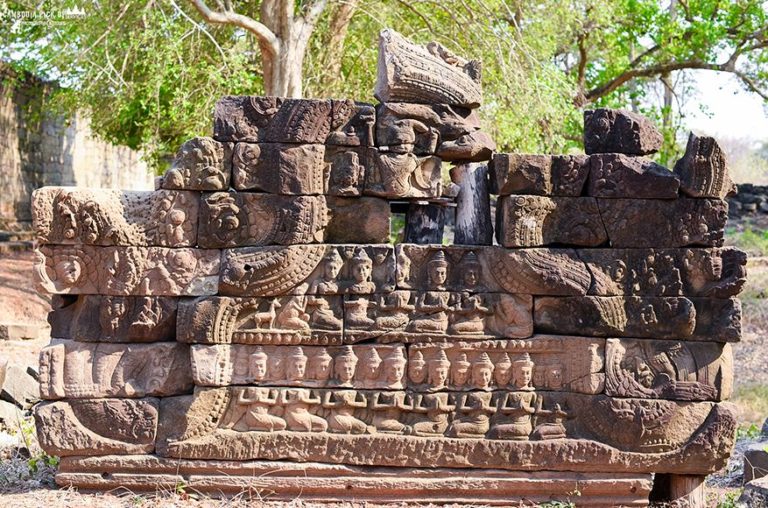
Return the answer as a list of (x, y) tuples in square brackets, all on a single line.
[(733, 112)]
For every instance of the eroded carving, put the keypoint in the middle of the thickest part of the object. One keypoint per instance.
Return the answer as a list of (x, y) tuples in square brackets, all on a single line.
[(703, 170), (619, 131), (200, 164), (404, 175), (279, 168), (614, 175)]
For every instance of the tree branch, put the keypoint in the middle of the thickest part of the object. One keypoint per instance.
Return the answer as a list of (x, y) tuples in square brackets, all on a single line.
[(267, 39), (751, 84)]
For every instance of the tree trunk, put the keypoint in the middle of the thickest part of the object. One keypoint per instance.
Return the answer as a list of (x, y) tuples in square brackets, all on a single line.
[(424, 223), (473, 210)]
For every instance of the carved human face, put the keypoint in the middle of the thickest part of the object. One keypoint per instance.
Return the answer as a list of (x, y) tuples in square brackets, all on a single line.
[(322, 369), (471, 276), (69, 269), (370, 368), (403, 271), (555, 377), (522, 376), (481, 376), (345, 370), (438, 374), (258, 367), (362, 272), (417, 373), (296, 368), (241, 367), (460, 376), (332, 269), (393, 371), (438, 274), (502, 374)]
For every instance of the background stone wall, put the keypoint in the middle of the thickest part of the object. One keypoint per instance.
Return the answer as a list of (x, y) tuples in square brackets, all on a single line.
[(38, 150)]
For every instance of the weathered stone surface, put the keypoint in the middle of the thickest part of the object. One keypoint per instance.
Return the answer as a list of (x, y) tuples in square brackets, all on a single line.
[(201, 164), (430, 75), (299, 319), (640, 435), (78, 370), (614, 175), (357, 220), (96, 318), (619, 131), (703, 170), (404, 175), (307, 269), (17, 386), (451, 133), (279, 168), (24, 331), (238, 219), (286, 481), (717, 319), (550, 175), (346, 167), (493, 269), (97, 427), (554, 363), (638, 223), (352, 123), (531, 221), (756, 461), (68, 215), (362, 366), (127, 271), (271, 119), (711, 272), (617, 316), (435, 316), (661, 369), (755, 494), (10, 415)]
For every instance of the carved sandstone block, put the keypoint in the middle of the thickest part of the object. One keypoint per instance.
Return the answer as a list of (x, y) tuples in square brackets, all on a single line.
[(712, 272), (78, 370), (429, 75), (346, 167), (279, 168), (299, 319), (96, 318), (703, 170), (619, 131), (613, 175), (97, 427), (307, 269), (523, 430), (542, 362), (271, 119), (435, 315), (362, 366), (127, 271), (549, 175), (69, 215), (404, 175), (238, 219), (637, 223), (352, 123), (661, 369), (531, 221), (357, 220), (617, 316), (717, 319), (492, 269), (201, 164)]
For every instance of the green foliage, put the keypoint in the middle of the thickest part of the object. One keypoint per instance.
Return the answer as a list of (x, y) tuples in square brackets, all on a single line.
[(729, 499), (751, 431), (150, 73), (754, 241)]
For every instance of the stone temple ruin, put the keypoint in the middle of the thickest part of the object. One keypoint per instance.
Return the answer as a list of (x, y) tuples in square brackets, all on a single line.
[(248, 325)]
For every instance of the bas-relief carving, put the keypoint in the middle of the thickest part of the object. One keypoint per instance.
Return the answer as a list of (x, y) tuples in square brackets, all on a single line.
[(345, 169), (531, 221), (352, 123), (619, 131), (307, 269), (97, 427), (550, 363), (548, 175), (605, 316), (703, 169), (236, 219), (127, 271), (362, 366), (69, 215), (404, 175), (79, 370), (711, 272), (656, 223), (201, 164), (492, 269), (96, 318), (516, 430), (668, 369), (271, 119), (717, 319), (430, 75), (279, 168), (614, 175), (358, 220)]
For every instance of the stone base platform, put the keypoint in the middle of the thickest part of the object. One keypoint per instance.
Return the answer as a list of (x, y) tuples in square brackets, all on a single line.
[(275, 481)]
